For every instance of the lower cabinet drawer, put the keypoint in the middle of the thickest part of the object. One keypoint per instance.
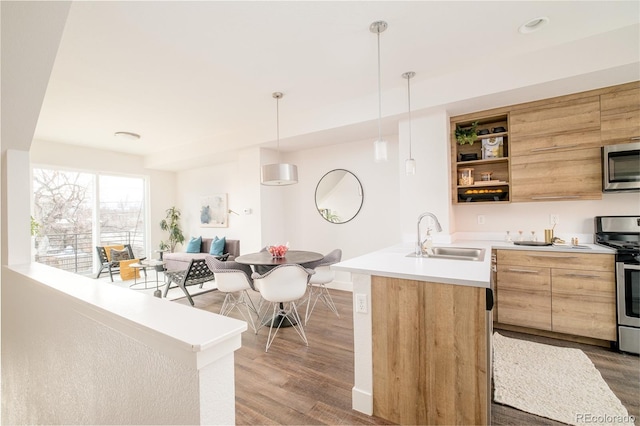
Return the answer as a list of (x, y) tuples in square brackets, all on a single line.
[(583, 303), (592, 262), (524, 296)]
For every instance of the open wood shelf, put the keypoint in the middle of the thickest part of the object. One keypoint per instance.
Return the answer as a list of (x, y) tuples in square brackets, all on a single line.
[(499, 167)]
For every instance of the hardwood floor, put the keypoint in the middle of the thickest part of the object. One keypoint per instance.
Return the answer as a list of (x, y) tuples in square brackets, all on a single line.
[(293, 384)]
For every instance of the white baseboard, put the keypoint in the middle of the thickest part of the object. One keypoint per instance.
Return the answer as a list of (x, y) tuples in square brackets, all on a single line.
[(362, 401), (341, 285)]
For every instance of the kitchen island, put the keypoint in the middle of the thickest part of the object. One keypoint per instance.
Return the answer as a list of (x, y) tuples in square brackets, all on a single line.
[(422, 336)]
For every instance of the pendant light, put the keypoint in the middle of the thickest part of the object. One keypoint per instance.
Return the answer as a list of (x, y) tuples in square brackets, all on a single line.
[(280, 173), (410, 163), (379, 145)]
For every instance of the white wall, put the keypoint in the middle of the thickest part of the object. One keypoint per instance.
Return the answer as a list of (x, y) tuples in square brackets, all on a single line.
[(240, 180), (429, 189), (289, 213), (377, 224), (576, 217)]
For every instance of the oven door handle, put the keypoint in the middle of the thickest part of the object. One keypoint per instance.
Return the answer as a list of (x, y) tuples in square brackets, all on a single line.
[(629, 266)]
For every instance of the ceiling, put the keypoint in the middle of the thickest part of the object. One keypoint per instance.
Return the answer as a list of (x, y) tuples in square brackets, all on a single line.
[(195, 79)]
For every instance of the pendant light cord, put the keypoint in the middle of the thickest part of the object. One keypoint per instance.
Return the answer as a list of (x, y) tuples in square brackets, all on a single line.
[(277, 96), (278, 127), (409, 98), (379, 93)]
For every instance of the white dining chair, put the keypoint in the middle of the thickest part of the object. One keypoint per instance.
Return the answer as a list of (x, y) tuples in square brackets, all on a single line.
[(235, 280), (282, 286), (317, 284)]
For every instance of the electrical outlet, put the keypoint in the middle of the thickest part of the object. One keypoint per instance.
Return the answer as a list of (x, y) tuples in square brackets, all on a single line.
[(554, 219), (480, 219), (361, 303)]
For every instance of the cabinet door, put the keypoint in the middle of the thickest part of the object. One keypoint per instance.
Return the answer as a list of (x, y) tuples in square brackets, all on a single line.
[(561, 175), (584, 303), (556, 126), (549, 258), (620, 116), (555, 151), (524, 296)]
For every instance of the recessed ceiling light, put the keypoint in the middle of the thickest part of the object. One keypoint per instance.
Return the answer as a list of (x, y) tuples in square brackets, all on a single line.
[(127, 136), (533, 25)]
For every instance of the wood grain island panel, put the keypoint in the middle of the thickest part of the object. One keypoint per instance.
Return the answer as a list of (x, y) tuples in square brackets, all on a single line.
[(430, 352)]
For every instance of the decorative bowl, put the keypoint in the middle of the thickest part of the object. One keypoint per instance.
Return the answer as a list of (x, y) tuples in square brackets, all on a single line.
[(278, 252)]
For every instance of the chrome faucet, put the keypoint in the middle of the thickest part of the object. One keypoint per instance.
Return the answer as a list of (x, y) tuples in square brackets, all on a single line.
[(438, 228)]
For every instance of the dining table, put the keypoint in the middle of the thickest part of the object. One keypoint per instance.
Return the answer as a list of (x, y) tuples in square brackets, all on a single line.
[(262, 261), (264, 258)]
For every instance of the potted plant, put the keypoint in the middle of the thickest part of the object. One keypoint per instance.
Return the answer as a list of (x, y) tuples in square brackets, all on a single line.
[(35, 227), (172, 224), (466, 135)]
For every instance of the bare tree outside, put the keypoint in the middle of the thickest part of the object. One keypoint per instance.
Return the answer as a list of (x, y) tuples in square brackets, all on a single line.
[(64, 207), (63, 201)]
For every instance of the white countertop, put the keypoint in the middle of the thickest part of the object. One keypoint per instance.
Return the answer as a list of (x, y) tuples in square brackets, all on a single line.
[(581, 248), (393, 262)]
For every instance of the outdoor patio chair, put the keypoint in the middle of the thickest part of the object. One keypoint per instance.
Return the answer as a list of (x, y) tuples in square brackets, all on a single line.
[(113, 266)]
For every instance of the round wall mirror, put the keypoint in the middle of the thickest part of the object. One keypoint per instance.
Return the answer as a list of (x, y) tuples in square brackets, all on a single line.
[(339, 196)]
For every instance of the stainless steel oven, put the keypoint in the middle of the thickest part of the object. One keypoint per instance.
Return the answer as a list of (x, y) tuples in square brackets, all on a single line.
[(628, 289), (621, 167), (622, 233)]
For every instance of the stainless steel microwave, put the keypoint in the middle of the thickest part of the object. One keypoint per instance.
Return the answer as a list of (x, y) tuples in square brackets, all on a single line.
[(621, 167)]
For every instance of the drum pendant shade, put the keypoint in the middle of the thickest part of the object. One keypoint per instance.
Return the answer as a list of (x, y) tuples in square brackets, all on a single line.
[(279, 174)]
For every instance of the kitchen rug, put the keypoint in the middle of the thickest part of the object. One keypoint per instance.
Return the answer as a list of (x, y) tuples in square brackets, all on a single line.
[(561, 384)]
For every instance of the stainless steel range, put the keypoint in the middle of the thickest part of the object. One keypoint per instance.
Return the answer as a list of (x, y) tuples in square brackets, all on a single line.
[(622, 233)]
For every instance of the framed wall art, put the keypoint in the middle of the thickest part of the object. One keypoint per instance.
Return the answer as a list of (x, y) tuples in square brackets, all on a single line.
[(214, 211)]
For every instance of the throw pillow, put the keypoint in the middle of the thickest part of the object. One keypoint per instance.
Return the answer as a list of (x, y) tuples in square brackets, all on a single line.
[(118, 255), (194, 245), (217, 246)]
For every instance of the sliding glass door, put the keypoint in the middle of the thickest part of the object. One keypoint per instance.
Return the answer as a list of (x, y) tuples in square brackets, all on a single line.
[(73, 212)]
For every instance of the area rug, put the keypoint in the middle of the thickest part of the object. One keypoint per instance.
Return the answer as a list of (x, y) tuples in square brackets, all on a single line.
[(561, 384)]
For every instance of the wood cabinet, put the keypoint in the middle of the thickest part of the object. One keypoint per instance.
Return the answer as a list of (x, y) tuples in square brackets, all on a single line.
[(494, 162), (563, 175), (552, 147), (524, 296), (570, 293), (620, 116), (430, 354), (555, 148), (584, 303)]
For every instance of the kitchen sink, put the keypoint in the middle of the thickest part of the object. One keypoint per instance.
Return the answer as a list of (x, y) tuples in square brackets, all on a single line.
[(457, 253)]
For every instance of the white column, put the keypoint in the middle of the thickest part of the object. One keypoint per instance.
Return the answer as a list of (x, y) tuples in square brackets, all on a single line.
[(362, 392)]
